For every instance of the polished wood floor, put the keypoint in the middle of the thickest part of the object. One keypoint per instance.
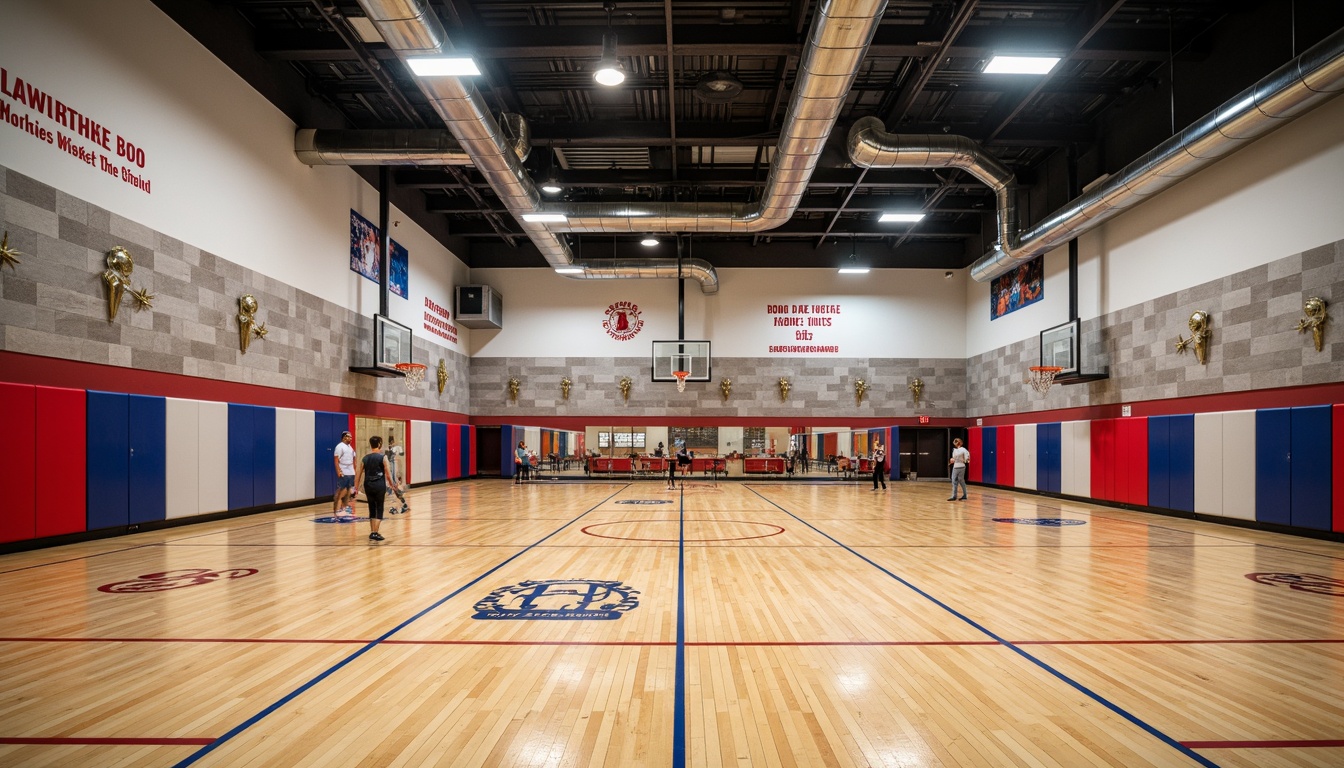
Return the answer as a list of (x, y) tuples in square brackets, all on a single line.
[(742, 624)]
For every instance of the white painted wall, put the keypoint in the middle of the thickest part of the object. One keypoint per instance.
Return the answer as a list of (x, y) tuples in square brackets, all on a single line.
[(220, 158), (887, 313), (1278, 196)]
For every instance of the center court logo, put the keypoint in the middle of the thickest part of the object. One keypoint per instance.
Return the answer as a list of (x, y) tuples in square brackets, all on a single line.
[(645, 501), (558, 599), (623, 321)]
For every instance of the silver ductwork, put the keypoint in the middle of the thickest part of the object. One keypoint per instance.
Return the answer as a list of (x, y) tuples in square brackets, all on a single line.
[(836, 44), (1284, 95), (872, 147), (696, 269), (413, 147)]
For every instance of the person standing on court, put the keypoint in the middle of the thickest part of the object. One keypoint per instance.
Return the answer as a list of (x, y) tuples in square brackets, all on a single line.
[(521, 462), (373, 474), (960, 458), (394, 454), (344, 459), (879, 465)]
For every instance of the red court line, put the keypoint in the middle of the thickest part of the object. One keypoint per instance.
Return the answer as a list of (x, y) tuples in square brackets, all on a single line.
[(103, 741), (701, 643), (1304, 743)]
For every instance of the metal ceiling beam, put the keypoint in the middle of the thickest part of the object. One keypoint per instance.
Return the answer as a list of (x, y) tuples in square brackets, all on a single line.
[(777, 254), (910, 91), (438, 202), (822, 178), (802, 228)]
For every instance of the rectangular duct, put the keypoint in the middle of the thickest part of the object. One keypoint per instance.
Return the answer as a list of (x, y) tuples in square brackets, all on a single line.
[(479, 306)]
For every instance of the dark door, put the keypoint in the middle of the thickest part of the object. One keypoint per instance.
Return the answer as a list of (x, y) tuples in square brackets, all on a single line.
[(931, 453), (488, 448), (907, 451)]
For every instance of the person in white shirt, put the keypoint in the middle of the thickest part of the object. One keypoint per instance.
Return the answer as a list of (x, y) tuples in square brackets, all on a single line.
[(344, 459), (960, 458), (394, 456)]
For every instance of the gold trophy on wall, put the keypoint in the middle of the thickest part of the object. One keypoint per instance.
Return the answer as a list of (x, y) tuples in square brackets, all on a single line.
[(784, 387), (1200, 334), (442, 374), (916, 387), (1315, 320), (860, 389)]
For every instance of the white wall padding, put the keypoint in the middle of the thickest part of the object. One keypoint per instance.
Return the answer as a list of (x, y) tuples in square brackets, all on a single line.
[(305, 448), (286, 484), (1238, 465), (1075, 454), (1024, 456), (1209, 463), (182, 464), (213, 459), (422, 451)]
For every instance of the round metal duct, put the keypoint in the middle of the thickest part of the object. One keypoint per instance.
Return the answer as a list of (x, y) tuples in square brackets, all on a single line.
[(718, 88)]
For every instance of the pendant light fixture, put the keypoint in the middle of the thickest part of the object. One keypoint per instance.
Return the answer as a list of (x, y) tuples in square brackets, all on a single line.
[(609, 70)]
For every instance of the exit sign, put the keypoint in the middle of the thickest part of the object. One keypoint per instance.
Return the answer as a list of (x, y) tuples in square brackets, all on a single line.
[(924, 419)]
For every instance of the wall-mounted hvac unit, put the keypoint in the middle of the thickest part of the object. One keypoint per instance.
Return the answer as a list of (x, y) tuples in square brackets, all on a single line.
[(479, 306)]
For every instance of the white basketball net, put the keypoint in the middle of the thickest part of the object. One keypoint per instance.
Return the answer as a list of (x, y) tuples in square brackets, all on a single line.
[(1041, 377), (681, 379), (415, 375)]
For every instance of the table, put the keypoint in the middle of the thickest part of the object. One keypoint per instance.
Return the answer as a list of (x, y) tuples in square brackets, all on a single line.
[(764, 465)]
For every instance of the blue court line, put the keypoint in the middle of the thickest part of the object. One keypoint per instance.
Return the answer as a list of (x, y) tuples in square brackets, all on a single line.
[(253, 720), (679, 697), (1151, 730)]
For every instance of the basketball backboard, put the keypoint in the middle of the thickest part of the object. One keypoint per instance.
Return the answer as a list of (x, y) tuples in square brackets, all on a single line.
[(690, 356), (1060, 347)]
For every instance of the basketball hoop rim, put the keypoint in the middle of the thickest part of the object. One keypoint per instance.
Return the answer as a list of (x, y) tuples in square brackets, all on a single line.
[(1045, 368), (409, 367)]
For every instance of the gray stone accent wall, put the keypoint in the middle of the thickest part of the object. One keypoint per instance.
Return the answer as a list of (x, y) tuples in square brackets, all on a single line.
[(54, 304), (1255, 343), (819, 388)]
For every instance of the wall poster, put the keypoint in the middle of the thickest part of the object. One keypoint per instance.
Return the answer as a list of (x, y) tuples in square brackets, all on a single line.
[(364, 255), (1016, 289)]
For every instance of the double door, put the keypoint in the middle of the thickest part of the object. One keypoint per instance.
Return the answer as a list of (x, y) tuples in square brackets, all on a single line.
[(924, 452)]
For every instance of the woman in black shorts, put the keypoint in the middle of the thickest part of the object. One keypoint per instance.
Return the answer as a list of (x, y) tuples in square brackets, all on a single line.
[(373, 472)]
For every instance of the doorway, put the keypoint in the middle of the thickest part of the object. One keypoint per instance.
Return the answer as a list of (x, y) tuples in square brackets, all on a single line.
[(924, 452), (488, 447)]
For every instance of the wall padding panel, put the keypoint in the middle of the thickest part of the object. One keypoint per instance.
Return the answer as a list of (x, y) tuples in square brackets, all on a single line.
[(471, 451), (1103, 459), (421, 449), (1239, 460), (1048, 460), (213, 476), (1006, 449), (1182, 457), (1075, 458), (1131, 453), (263, 456), (989, 455), (149, 454), (1337, 460), (183, 462), (61, 474), (305, 471), (975, 442), (1273, 465), (454, 451), (1159, 461), (1311, 466), (438, 433), (18, 519), (1025, 457), (109, 457), (284, 456), (1208, 463)]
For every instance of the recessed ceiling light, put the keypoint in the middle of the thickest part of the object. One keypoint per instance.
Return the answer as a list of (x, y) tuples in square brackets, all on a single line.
[(905, 217), (649, 242), (550, 187), (545, 218), (853, 270), (569, 270), (1003, 64), (444, 66)]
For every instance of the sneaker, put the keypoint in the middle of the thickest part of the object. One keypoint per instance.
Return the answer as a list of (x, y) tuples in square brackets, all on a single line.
[(375, 536), (963, 498), (954, 498)]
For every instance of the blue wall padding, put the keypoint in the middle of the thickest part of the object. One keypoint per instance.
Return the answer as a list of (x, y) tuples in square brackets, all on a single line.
[(1310, 470), (1182, 458), (989, 455), (1273, 467), (263, 455), (242, 437), (1048, 460), (507, 445), (147, 472), (464, 456), (438, 437), (109, 447), (1159, 461), (327, 429)]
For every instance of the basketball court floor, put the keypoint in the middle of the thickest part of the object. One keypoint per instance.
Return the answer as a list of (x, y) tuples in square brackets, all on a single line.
[(621, 624)]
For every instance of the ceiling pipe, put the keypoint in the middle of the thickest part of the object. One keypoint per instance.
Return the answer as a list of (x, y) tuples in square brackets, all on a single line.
[(836, 44), (410, 147), (1289, 92)]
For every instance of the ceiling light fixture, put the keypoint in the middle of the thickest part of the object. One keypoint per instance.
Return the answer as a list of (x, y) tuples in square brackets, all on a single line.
[(545, 218), (609, 70), (649, 241), (908, 218), (551, 187), (569, 270), (444, 66), (853, 270), (1010, 64)]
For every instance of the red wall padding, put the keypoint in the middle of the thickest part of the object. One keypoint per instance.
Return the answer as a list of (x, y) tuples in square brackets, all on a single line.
[(1131, 460), (973, 471), (18, 517), (62, 472), (1006, 448), (1337, 445), (1103, 459)]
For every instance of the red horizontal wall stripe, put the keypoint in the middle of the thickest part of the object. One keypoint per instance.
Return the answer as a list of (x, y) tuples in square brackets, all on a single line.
[(58, 372), (1283, 397)]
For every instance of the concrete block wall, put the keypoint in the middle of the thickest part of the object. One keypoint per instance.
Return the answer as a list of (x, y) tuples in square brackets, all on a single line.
[(54, 304), (1255, 342), (818, 388)]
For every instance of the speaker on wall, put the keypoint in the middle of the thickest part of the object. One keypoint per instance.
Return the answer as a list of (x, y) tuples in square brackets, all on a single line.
[(479, 306)]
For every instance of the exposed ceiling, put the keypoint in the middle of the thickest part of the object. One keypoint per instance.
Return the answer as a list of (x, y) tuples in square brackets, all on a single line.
[(655, 139)]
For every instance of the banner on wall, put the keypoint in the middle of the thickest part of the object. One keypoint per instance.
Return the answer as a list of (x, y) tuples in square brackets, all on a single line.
[(804, 329), (622, 320), (364, 238), (1015, 290)]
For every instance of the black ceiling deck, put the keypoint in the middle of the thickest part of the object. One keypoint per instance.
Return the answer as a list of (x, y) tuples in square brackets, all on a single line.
[(653, 139)]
